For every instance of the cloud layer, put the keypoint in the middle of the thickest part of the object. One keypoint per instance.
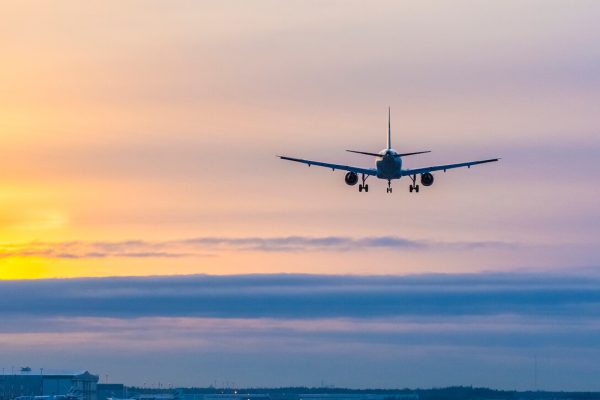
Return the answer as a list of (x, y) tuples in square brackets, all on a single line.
[(206, 246), (305, 296)]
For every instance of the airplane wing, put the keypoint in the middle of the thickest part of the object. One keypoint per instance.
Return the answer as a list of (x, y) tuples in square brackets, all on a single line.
[(358, 170), (406, 172)]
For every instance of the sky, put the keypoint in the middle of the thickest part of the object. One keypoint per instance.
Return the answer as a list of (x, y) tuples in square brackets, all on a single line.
[(139, 141)]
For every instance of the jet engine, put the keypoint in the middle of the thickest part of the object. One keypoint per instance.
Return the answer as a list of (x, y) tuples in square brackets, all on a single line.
[(351, 178), (426, 179)]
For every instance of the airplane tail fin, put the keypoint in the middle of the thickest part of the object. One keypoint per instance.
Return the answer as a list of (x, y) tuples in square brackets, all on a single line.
[(389, 138)]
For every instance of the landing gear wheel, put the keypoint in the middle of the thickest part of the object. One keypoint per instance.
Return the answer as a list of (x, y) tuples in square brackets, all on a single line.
[(389, 190), (414, 185), (363, 185)]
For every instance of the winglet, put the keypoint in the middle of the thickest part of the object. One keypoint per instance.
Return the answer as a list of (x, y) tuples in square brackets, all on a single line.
[(389, 141)]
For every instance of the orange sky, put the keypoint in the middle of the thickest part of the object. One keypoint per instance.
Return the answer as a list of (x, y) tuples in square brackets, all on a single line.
[(160, 121)]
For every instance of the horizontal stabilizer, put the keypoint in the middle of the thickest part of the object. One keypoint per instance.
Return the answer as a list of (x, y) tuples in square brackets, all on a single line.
[(412, 154), (365, 153), (381, 155)]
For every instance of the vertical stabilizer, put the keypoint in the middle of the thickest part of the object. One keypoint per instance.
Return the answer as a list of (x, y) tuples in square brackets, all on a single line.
[(389, 142)]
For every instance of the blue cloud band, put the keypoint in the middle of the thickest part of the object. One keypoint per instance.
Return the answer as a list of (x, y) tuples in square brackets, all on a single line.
[(305, 296)]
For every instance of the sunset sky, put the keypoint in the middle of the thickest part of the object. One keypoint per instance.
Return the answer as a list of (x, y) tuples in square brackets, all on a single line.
[(139, 139)]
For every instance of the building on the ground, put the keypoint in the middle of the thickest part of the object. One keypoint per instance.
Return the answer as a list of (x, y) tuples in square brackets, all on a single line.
[(29, 384)]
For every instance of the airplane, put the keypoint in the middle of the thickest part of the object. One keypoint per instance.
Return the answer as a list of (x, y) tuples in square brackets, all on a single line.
[(388, 166)]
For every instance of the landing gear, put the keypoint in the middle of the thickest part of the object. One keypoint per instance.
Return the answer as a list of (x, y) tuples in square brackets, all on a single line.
[(414, 185), (389, 188), (363, 185)]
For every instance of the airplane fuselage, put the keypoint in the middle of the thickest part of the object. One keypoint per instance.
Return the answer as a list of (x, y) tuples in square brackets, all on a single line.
[(389, 166)]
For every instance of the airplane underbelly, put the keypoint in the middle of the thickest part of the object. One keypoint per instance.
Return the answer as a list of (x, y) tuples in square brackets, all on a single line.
[(389, 169)]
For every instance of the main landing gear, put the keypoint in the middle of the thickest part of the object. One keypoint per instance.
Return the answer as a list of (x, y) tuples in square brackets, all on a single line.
[(363, 185), (414, 185)]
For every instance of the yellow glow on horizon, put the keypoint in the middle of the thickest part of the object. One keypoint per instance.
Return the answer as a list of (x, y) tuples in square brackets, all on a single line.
[(23, 268), (17, 268)]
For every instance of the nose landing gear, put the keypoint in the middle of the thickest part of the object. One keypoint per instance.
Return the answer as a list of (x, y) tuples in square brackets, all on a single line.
[(389, 188)]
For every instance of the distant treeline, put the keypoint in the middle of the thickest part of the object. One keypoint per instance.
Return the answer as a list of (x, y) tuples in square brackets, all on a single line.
[(449, 393)]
